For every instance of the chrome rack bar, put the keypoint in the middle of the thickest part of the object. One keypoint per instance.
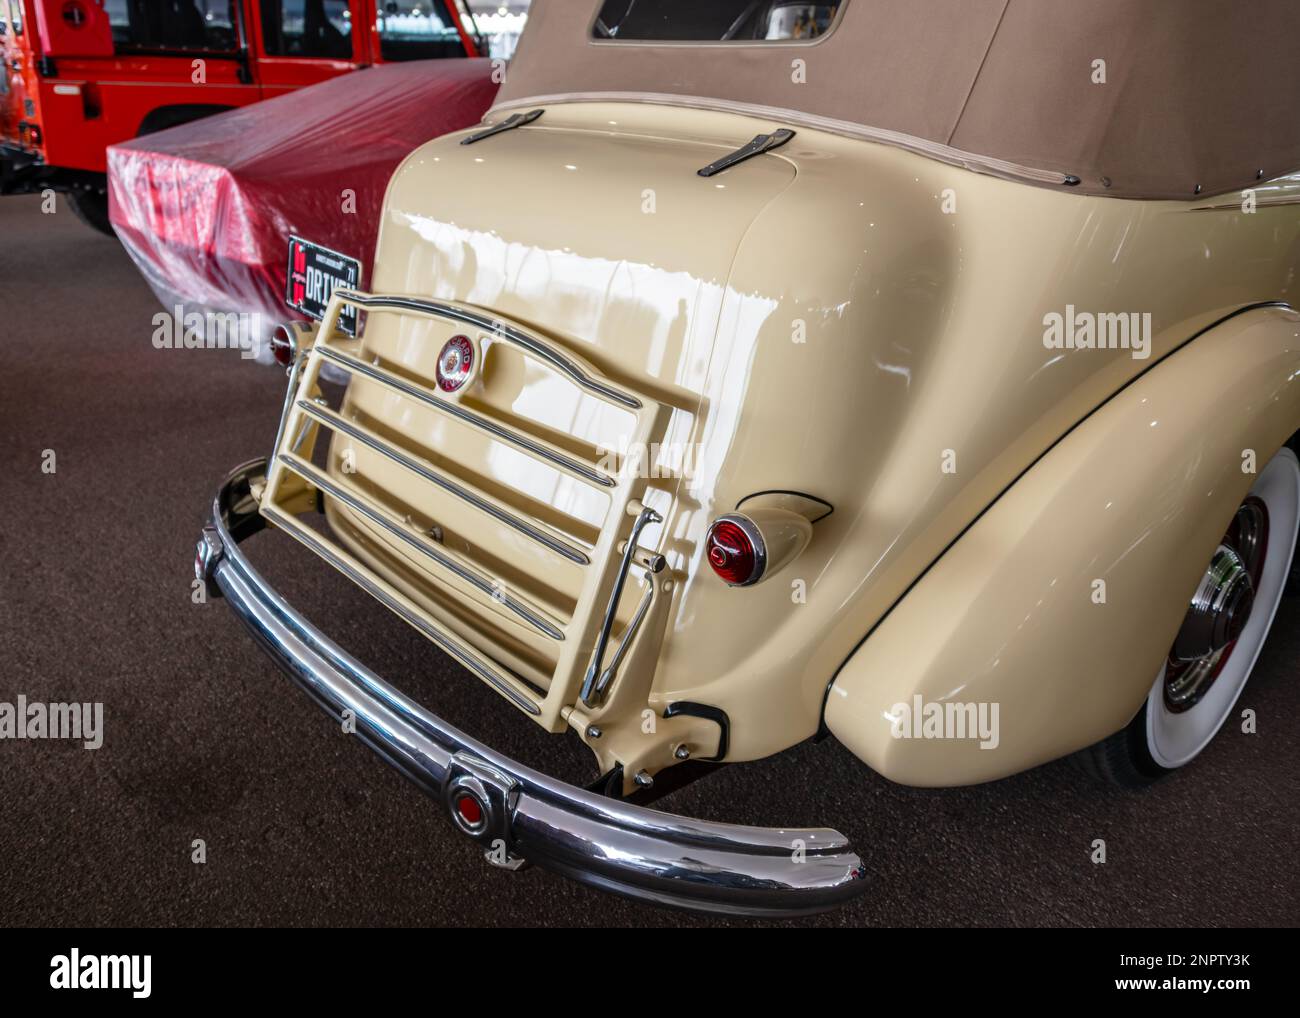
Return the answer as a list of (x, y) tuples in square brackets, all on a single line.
[(644, 515), (609, 674), (295, 374), (400, 385), (424, 469), (500, 329), (510, 688), (383, 518)]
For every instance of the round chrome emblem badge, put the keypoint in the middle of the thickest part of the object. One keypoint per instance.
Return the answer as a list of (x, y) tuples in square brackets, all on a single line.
[(455, 363)]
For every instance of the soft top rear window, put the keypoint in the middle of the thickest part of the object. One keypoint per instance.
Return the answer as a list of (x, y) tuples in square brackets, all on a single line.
[(714, 20)]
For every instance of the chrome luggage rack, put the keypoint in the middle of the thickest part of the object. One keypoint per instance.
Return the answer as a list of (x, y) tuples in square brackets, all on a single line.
[(584, 669), (513, 813)]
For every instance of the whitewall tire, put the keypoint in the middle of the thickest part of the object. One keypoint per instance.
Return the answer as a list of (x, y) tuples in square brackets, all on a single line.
[(1218, 646)]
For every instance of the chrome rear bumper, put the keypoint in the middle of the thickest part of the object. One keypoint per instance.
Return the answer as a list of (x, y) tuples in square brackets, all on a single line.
[(523, 815)]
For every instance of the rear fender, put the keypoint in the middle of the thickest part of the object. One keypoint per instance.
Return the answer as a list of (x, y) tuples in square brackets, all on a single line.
[(1046, 622)]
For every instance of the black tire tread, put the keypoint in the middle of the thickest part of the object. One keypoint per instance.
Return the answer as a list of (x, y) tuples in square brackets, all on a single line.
[(91, 208), (1122, 759)]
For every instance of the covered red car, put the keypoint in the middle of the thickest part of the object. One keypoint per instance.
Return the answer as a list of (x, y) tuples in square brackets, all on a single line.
[(80, 75), (207, 210)]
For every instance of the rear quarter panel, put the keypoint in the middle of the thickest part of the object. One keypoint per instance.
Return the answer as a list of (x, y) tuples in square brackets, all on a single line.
[(1135, 498)]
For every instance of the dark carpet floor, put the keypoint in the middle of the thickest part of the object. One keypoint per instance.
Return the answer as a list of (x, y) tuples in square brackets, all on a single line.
[(206, 740)]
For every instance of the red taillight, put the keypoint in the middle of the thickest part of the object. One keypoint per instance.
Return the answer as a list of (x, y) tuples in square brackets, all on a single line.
[(735, 550), (469, 810), (283, 348)]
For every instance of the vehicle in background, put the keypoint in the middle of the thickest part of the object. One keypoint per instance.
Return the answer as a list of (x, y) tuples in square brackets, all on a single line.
[(499, 25), (206, 210), (80, 75)]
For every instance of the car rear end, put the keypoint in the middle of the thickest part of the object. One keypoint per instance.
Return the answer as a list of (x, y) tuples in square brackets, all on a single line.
[(499, 473), (523, 508)]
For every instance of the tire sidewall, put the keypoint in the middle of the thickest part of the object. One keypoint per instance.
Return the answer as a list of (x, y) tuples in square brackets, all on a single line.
[(1169, 741)]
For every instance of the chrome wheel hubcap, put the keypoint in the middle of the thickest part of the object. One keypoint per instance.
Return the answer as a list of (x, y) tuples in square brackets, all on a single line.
[(1219, 610), (1190, 700)]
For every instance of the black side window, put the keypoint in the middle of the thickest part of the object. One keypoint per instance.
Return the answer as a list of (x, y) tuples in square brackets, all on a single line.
[(417, 30), (307, 28), (200, 25)]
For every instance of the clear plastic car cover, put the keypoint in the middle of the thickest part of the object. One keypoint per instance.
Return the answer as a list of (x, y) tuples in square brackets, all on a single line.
[(206, 209)]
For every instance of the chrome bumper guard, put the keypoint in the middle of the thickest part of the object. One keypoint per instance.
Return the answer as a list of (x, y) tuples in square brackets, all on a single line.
[(515, 813)]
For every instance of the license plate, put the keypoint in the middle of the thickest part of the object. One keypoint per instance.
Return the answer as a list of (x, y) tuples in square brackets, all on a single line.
[(315, 272)]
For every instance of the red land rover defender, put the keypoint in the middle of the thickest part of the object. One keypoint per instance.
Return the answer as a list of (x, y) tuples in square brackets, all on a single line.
[(80, 75)]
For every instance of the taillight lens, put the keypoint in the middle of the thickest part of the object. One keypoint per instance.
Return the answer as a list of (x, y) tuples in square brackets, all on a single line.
[(283, 347), (734, 549), (470, 811)]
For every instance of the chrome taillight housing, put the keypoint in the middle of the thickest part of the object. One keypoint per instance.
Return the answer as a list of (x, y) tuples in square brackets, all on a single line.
[(743, 548), (736, 551), (284, 347), (291, 339)]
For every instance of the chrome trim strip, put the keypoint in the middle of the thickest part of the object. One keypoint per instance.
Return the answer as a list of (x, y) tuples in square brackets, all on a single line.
[(645, 516), (922, 146), (609, 674), (380, 517), (362, 579), (1235, 206), (401, 385), (629, 850), (417, 465), (295, 375), (497, 328)]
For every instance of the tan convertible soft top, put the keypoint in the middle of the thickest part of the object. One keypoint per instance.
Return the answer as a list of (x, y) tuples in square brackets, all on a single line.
[(1199, 96)]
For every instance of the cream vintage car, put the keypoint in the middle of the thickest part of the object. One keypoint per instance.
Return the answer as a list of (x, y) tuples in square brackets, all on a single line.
[(925, 374)]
